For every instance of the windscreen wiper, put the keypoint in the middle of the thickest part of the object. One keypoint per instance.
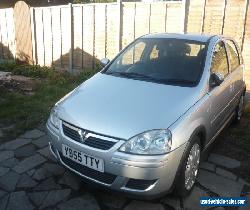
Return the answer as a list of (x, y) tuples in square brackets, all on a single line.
[(184, 81), (131, 75)]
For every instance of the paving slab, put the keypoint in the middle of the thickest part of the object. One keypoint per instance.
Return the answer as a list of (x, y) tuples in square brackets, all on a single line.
[(26, 181), (4, 201), (14, 144), (38, 197), (42, 127), (219, 185), (8, 181), (31, 172), (41, 174), (41, 142), (172, 201), (54, 169), (46, 153), (48, 170), (223, 161), (226, 174), (55, 197), (193, 200), (141, 205), (50, 186), (19, 200), (25, 151), (4, 155), (208, 166), (32, 134), (2, 193), (3, 170), (71, 180), (47, 185), (244, 182), (10, 163), (84, 202), (29, 163), (107, 199)]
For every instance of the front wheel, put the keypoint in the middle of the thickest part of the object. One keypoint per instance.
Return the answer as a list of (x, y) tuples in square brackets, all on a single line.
[(189, 168)]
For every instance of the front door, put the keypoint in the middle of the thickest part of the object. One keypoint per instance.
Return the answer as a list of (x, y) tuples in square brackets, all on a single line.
[(220, 96)]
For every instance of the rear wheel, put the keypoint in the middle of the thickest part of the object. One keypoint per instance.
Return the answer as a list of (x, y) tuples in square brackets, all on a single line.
[(189, 168), (239, 109)]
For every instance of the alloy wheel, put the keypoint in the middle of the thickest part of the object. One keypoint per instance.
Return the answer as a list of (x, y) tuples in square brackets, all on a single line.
[(192, 166)]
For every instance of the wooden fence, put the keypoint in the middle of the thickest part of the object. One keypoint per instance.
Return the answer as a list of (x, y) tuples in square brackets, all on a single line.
[(7, 34), (77, 36)]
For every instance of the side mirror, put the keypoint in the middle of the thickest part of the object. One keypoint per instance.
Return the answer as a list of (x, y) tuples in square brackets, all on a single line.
[(104, 62), (216, 79)]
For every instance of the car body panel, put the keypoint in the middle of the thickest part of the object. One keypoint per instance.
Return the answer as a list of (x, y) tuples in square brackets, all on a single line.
[(131, 102)]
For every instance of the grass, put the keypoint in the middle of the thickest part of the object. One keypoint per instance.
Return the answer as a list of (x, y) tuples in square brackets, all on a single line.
[(23, 112)]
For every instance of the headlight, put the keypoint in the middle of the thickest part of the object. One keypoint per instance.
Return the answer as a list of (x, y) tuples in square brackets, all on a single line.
[(153, 142), (54, 119)]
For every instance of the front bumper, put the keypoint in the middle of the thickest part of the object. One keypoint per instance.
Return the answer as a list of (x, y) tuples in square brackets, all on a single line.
[(133, 174)]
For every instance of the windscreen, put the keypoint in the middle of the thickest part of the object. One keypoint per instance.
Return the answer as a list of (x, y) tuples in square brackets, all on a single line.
[(161, 60)]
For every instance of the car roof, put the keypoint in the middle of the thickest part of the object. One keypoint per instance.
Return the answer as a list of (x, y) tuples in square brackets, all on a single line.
[(187, 36)]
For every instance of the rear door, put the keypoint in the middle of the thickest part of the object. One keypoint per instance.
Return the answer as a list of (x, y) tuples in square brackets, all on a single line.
[(236, 71), (220, 96)]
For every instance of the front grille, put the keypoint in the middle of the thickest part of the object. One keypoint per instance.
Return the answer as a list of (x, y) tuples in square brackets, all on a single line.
[(90, 141), (91, 173), (139, 184), (73, 134), (99, 143)]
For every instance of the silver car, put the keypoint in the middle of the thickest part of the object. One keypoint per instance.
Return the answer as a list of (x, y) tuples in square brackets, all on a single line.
[(141, 124)]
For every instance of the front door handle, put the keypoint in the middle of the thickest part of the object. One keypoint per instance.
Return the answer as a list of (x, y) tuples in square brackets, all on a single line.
[(231, 87)]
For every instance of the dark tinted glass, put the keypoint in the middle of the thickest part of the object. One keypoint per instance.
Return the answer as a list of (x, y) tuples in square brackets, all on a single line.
[(219, 60), (161, 60)]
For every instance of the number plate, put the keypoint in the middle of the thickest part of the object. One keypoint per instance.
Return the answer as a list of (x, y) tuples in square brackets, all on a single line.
[(82, 158)]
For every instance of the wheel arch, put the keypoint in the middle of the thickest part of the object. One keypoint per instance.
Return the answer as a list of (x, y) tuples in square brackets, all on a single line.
[(200, 131)]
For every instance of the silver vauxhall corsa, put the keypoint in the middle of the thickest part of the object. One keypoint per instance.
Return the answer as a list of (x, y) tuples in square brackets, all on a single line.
[(141, 124)]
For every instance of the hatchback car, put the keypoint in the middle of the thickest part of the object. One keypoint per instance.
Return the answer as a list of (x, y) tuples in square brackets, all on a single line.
[(141, 124)]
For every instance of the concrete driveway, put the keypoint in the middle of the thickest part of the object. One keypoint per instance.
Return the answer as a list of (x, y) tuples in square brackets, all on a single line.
[(31, 178)]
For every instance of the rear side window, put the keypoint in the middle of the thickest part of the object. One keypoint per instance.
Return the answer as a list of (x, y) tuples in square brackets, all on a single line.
[(233, 55), (219, 60)]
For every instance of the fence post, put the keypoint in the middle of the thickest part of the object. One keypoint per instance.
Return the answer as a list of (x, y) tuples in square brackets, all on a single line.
[(245, 25), (185, 11), (33, 13), (224, 17), (71, 39), (203, 16), (120, 16)]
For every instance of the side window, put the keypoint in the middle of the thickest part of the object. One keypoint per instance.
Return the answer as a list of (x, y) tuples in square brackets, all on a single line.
[(219, 60), (233, 55)]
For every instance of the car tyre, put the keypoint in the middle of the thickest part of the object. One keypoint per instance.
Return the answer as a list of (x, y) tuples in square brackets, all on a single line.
[(189, 168)]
